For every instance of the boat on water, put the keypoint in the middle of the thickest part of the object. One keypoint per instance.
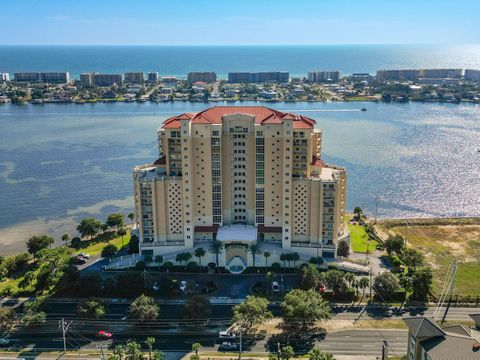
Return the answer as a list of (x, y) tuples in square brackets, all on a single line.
[(363, 109)]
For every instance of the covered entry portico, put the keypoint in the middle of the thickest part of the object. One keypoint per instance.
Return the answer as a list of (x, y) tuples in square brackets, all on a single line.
[(236, 239)]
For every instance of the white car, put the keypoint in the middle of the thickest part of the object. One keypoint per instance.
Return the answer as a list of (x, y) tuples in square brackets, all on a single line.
[(227, 345), (85, 255), (4, 341), (183, 285), (275, 286), (226, 335), (155, 286)]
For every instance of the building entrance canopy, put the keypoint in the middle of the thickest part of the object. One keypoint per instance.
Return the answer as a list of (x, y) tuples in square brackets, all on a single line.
[(236, 233)]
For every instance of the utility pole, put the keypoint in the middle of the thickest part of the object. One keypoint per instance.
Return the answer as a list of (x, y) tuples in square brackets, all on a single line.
[(240, 346), (370, 273), (101, 351), (64, 326)]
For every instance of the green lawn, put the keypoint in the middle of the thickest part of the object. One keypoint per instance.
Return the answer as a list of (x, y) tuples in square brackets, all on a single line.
[(95, 246), (92, 247), (441, 244), (359, 239)]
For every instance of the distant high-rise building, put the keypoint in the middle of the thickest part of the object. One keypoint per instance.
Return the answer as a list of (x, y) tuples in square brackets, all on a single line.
[(134, 78), (152, 77), (107, 79), (240, 175), (87, 79), (207, 77), (259, 77), (398, 75), (441, 73), (55, 77), (4, 77), (170, 81), (472, 75), (324, 76), (27, 76)]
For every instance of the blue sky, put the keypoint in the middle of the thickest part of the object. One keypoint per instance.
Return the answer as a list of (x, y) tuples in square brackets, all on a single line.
[(238, 22)]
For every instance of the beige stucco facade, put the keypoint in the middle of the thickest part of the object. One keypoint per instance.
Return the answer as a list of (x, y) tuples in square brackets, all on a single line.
[(231, 166)]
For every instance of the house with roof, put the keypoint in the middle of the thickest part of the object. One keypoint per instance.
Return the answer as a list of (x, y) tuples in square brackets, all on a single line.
[(428, 341)]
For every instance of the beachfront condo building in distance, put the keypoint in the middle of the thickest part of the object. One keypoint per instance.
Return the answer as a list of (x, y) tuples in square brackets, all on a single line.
[(240, 175), (4, 77), (152, 77), (417, 74), (472, 75), (96, 79), (324, 76), (46, 77), (134, 78), (207, 77), (259, 77)]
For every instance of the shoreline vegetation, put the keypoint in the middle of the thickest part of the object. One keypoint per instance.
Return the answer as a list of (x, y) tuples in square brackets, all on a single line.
[(347, 89)]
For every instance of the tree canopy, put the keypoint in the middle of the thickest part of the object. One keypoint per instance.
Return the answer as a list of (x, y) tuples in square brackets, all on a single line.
[(197, 307), (144, 308), (304, 307), (89, 227), (91, 308), (115, 220), (37, 243), (253, 311)]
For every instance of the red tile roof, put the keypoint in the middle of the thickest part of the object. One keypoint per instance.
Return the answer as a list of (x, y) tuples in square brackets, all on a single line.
[(316, 161), (262, 114)]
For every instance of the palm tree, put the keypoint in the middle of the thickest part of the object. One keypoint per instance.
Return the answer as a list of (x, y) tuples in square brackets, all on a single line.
[(104, 227), (357, 213), (119, 351), (159, 259), (150, 342), (199, 253), (363, 284), (254, 249), (283, 257), (216, 247), (122, 231), (133, 349), (266, 255), (350, 278), (295, 258), (66, 238), (131, 216)]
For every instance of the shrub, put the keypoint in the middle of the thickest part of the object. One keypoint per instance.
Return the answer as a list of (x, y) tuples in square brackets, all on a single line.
[(109, 250), (276, 267), (148, 258), (395, 261), (192, 266), (76, 242), (133, 245), (140, 265), (343, 248), (167, 265)]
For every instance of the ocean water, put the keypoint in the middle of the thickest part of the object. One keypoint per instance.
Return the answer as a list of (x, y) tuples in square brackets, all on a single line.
[(179, 60), (62, 162)]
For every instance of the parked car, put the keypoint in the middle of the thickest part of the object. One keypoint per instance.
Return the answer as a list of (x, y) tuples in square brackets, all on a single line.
[(79, 260), (226, 335), (84, 255), (183, 285), (227, 345), (275, 286), (105, 335), (155, 286), (4, 341)]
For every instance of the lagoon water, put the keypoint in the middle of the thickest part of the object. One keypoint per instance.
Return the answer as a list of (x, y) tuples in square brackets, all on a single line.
[(60, 163)]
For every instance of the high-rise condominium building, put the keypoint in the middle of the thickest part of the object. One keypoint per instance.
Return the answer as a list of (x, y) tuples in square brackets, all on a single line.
[(240, 175), (47, 77), (472, 75), (324, 76), (207, 77), (4, 77), (152, 77), (249, 77), (134, 77), (107, 79)]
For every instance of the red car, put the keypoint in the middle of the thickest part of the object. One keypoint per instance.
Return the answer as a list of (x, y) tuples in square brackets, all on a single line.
[(102, 334)]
